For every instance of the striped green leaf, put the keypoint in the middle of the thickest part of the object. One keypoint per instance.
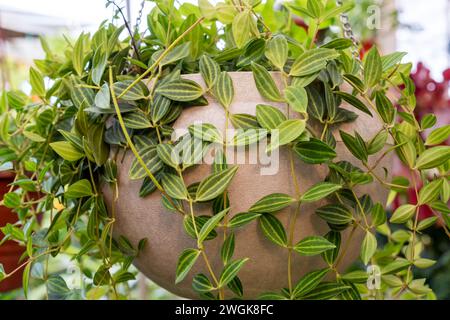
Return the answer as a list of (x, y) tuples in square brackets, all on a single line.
[(304, 81), (272, 296), (248, 137), (314, 151), (224, 90), (277, 51), (312, 61), (79, 189), (137, 120), (210, 225), (269, 117), (12, 200), (330, 256), (168, 155), (378, 215), (373, 68), (316, 103), (33, 136), (391, 60), (174, 186), (244, 121), (330, 102), (160, 108), (66, 150), (286, 132), (403, 213), (180, 90), (297, 98), (150, 157), (273, 229), (209, 69), (242, 219), (438, 136), (335, 214), (230, 271), (308, 282), (355, 82), (205, 132), (354, 101), (326, 291), (338, 44), (199, 223), (185, 262), (368, 247), (315, 8), (385, 108), (78, 55), (311, 246), (253, 52), (181, 51), (357, 276), (432, 158), (272, 203), (378, 142), (81, 97), (430, 192), (103, 98), (201, 283), (98, 65), (215, 184), (396, 266), (227, 250), (235, 285), (355, 145), (320, 191), (265, 83), (137, 92), (241, 27)]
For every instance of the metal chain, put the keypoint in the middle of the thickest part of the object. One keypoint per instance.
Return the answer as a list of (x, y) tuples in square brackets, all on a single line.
[(348, 33)]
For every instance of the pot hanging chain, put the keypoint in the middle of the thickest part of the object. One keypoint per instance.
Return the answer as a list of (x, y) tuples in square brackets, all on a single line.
[(349, 34)]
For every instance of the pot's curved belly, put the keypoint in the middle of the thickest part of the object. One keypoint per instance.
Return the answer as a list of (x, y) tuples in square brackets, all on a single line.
[(266, 270)]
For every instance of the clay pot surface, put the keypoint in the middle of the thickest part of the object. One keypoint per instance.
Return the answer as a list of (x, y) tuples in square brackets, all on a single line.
[(138, 218)]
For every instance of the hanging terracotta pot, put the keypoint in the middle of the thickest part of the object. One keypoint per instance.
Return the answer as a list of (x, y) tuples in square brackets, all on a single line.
[(138, 218), (10, 251)]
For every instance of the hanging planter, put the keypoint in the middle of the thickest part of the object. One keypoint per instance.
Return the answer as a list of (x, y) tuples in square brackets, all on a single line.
[(138, 218), (224, 164)]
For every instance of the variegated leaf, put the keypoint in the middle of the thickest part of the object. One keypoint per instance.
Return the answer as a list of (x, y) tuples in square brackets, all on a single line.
[(215, 184), (180, 90), (269, 117), (312, 61), (272, 203), (150, 157)]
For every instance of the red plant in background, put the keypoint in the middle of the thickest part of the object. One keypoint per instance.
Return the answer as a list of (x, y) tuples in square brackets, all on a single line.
[(432, 97)]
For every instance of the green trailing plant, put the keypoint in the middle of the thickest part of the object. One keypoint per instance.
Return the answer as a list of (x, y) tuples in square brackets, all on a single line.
[(107, 94)]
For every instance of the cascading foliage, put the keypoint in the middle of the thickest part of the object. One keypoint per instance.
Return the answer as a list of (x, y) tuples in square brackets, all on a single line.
[(105, 94)]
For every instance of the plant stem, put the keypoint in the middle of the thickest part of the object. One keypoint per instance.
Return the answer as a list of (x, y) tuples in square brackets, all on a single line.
[(131, 144), (290, 243), (202, 250)]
